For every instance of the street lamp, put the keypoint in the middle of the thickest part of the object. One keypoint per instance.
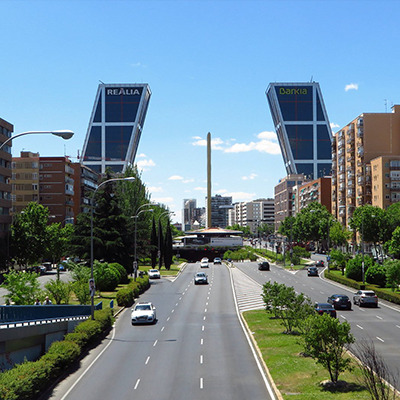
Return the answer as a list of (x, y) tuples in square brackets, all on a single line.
[(135, 265), (130, 178), (159, 236), (65, 134)]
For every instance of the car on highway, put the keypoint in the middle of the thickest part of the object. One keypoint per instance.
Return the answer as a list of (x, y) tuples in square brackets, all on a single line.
[(217, 260), (320, 263), (325, 308), (263, 266), (204, 263), (201, 278), (143, 313), (365, 297), (340, 301), (153, 274), (312, 271)]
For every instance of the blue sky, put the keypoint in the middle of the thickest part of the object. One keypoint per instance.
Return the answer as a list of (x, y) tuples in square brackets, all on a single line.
[(208, 64)]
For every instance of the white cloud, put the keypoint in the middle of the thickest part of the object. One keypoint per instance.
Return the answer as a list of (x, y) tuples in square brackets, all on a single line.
[(351, 86), (215, 143), (334, 126), (237, 196), (175, 178), (155, 189), (250, 177), (263, 146), (201, 189), (142, 155), (269, 135), (145, 164)]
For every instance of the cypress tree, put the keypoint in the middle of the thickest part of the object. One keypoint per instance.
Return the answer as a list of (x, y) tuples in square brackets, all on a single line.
[(154, 244), (168, 253)]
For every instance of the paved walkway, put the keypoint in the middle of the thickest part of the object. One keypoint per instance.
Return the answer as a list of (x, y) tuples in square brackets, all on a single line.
[(248, 292)]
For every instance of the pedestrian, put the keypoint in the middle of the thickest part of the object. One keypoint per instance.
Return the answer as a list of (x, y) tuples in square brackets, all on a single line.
[(47, 301), (37, 302)]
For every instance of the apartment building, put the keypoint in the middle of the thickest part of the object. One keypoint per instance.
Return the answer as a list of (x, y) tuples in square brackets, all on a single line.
[(365, 138), (284, 197), (6, 130), (318, 190), (253, 213), (220, 206), (385, 172)]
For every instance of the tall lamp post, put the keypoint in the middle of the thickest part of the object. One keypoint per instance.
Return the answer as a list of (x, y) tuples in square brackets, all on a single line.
[(159, 236), (135, 265), (91, 282), (65, 134)]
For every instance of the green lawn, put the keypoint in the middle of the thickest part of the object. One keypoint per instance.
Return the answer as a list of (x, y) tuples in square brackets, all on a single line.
[(297, 377)]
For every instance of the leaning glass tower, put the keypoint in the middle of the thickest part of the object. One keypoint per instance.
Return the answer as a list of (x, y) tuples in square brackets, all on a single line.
[(302, 126), (115, 126)]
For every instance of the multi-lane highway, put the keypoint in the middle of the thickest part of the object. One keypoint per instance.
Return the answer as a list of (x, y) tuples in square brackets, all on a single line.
[(196, 350), (381, 325)]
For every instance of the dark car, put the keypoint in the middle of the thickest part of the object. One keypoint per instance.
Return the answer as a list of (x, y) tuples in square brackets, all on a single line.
[(340, 302), (325, 308), (312, 271), (263, 266), (320, 263)]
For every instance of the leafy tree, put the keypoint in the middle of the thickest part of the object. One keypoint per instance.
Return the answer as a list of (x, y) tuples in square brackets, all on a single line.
[(29, 234), (393, 217), (82, 292), (394, 243), (393, 273), (23, 288), (376, 275), (271, 296), (106, 278), (160, 244), (338, 234), (236, 227), (154, 244), (339, 259), (354, 267), (326, 342), (266, 229), (286, 228), (168, 253), (60, 291)]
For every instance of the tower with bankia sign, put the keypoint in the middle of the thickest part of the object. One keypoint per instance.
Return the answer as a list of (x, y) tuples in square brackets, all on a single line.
[(302, 126), (115, 126)]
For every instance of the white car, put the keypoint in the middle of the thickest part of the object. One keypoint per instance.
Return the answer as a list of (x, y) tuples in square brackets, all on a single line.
[(201, 278), (365, 297), (144, 313), (203, 264), (154, 274)]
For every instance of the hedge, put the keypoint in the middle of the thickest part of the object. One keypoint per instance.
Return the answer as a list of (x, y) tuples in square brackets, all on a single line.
[(381, 293), (126, 296), (27, 380)]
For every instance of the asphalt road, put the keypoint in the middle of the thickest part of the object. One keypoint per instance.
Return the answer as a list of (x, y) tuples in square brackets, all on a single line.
[(381, 325), (196, 350)]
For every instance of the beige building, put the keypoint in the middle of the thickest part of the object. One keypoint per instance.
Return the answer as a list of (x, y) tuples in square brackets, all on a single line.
[(284, 197), (385, 181), (365, 138)]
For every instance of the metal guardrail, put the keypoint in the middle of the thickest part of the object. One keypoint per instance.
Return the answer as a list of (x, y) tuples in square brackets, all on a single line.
[(13, 316)]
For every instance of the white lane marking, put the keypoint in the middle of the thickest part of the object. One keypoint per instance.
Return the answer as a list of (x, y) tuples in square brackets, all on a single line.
[(201, 341), (176, 304), (205, 310), (380, 339), (155, 343), (168, 318), (90, 366), (398, 326), (162, 328), (207, 303), (358, 326), (201, 383), (147, 361), (137, 384), (377, 316), (180, 298), (202, 328), (343, 317), (204, 318), (172, 311), (201, 359)]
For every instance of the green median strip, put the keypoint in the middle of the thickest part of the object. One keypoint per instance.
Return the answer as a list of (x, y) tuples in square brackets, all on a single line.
[(298, 377)]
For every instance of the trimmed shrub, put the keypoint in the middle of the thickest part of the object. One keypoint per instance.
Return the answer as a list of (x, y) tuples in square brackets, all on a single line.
[(376, 275), (354, 267), (122, 271), (106, 278), (62, 355), (80, 338)]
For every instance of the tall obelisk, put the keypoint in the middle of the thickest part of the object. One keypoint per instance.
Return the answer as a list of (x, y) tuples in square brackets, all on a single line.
[(209, 180)]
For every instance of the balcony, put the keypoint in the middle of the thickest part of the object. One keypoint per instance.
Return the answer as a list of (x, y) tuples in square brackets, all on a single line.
[(341, 143), (360, 132), (360, 122), (360, 151), (350, 158)]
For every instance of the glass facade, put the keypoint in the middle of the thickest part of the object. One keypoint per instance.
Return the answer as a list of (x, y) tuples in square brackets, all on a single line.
[(115, 126), (302, 127)]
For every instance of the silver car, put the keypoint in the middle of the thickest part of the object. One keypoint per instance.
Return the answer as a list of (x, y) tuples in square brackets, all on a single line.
[(201, 278), (144, 313), (153, 274), (365, 297)]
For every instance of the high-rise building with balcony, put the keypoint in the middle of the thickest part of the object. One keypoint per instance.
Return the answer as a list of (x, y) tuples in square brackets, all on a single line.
[(367, 137), (302, 126), (219, 210), (115, 126)]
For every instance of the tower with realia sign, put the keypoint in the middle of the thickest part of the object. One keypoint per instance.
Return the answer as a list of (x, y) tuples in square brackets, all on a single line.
[(115, 126)]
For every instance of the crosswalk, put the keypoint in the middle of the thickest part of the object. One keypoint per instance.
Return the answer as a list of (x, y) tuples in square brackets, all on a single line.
[(247, 291)]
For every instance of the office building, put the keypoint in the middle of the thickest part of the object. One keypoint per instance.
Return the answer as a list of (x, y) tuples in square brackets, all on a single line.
[(219, 210), (284, 197), (115, 126), (253, 214), (302, 126), (367, 137), (188, 209)]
